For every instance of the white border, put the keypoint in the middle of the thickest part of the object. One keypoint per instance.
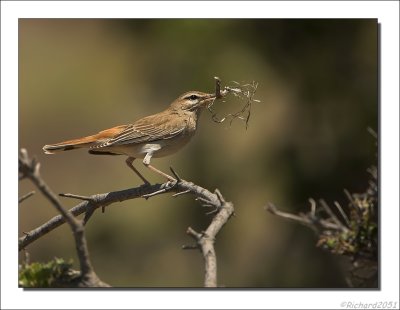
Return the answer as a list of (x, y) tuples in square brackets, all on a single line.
[(14, 298)]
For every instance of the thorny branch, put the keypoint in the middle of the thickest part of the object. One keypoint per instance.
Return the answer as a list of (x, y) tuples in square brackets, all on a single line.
[(244, 92), (205, 240), (316, 223), (29, 168), (353, 234), (224, 210)]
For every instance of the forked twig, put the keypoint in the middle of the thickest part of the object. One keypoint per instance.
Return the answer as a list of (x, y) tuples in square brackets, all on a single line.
[(30, 169)]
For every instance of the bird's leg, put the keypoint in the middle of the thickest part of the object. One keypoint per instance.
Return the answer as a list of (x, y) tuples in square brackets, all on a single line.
[(129, 162), (160, 172), (146, 162)]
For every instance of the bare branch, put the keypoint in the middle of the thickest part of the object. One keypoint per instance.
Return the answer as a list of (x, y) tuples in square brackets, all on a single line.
[(181, 193), (163, 190), (205, 241), (190, 247), (178, 178), (310, 220), (30, 169), (342, 213), (96, 201), (332, 215), (79, 197), (353, 235), (289, 216), (26, 196), (205, 201), (102, 200)]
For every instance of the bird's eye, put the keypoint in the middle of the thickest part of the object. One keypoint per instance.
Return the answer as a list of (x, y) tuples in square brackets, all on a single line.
[(193, 97)]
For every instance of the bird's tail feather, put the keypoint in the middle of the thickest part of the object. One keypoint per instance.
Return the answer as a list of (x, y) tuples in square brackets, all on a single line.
[(69, 145)]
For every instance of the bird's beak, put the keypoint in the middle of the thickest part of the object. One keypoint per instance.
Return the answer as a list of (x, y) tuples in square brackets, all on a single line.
[(207, 100)]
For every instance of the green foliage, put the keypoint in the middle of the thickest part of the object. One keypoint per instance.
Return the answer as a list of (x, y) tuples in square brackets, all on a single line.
[(361, 239), (45, 275), (350, 232)]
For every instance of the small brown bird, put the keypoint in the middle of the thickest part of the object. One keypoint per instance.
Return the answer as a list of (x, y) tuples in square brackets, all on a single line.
[(157, 135)]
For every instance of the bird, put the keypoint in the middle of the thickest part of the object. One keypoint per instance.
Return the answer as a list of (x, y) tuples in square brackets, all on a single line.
[(156, 135)]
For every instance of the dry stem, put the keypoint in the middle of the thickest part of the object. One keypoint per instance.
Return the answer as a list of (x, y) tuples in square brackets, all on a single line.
[(244, 92)]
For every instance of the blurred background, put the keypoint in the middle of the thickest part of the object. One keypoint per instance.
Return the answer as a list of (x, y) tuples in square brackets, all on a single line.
[(318, 87)]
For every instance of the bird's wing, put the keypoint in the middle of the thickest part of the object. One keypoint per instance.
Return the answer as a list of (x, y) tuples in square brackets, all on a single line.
[(148, 129)]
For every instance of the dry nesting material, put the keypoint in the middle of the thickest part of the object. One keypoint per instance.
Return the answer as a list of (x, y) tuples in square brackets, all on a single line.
[(245, 92)]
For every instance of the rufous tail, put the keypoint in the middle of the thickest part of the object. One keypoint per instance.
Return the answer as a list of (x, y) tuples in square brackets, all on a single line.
[(69, 145), (88, 141)]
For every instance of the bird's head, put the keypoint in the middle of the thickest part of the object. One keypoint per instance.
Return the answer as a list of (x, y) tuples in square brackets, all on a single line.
[(192, 101)]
